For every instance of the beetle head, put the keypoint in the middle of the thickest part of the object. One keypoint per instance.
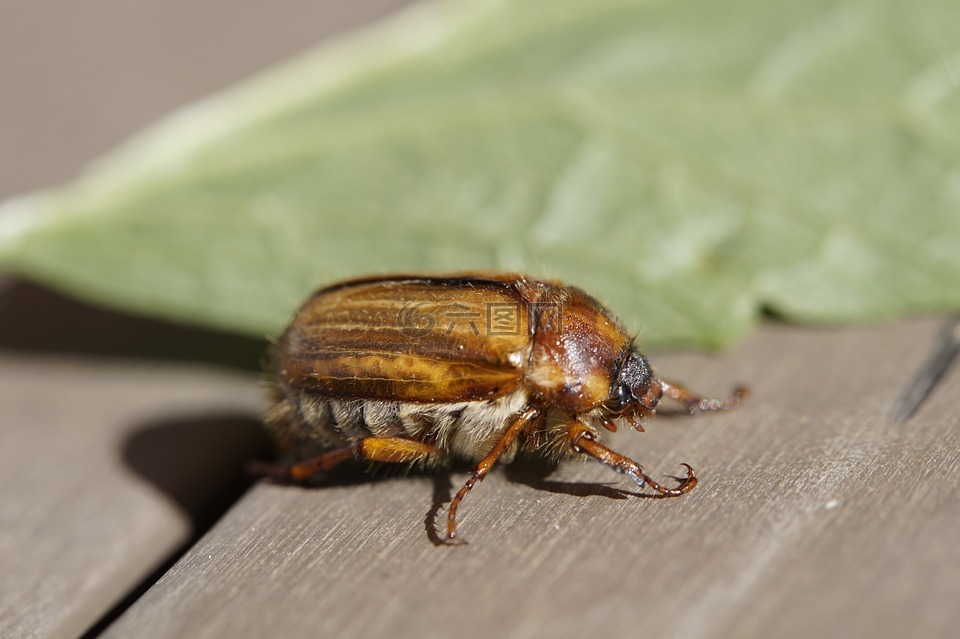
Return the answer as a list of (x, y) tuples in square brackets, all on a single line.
[(634, 390)]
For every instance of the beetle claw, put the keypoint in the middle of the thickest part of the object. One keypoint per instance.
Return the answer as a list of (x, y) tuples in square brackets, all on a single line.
[(687, 484)]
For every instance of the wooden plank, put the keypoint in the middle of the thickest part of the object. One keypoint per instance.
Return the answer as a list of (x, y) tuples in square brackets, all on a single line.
[(104, 469), (816, 516)]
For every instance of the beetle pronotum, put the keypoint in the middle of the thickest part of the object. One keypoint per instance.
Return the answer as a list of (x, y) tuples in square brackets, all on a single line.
[(424, 369)]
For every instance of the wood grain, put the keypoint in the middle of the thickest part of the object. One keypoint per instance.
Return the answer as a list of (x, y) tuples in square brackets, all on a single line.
[(816, 516), (104, 470)]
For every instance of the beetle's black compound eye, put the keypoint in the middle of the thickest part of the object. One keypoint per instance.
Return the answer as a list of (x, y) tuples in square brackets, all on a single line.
[(620, 398)]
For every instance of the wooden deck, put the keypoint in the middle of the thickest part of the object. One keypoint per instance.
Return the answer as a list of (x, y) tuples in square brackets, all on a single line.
[(817, 513)]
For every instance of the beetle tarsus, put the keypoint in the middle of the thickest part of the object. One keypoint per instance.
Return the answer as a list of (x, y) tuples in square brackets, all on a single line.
[(584, 441), (693, 403), (687, 484)]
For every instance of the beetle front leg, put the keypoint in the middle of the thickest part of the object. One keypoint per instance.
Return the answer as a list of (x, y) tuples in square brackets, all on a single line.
[(584, 441), (693, 402), (523, 421)]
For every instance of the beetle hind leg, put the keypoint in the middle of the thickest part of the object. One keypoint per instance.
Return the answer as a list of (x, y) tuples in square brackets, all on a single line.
[(693, 402), (396, 450), (583, 441)]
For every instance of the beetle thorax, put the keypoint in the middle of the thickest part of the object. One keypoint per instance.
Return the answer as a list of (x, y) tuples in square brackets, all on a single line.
[(577, 349)]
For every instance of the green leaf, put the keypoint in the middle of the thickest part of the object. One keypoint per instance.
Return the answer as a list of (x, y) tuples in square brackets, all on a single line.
[(690, 162)]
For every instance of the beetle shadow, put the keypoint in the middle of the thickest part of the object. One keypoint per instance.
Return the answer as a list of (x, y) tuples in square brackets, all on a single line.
[(534, 472), (197, 461), (528, 471), (671, 412), (442, 495), (353, 472)]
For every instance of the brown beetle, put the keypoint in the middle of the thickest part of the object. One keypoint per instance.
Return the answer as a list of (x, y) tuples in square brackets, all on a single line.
[(412, 368)]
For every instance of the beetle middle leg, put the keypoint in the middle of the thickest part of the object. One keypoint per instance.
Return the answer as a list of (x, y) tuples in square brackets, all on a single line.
[(584, 441), (523, 421), (693, 402), (378, 449)]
